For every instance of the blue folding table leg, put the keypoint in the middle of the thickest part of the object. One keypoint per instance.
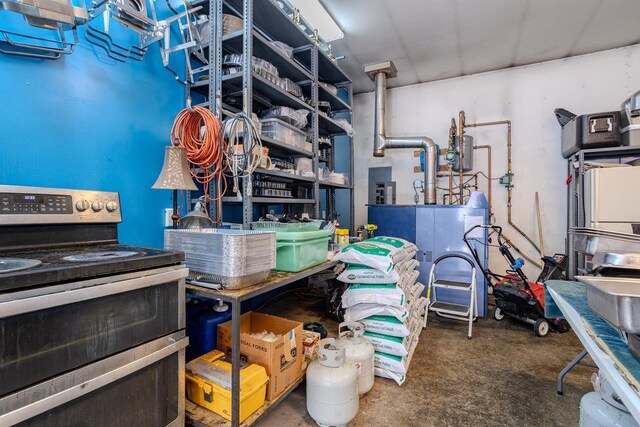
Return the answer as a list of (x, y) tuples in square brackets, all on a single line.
[(570, 366)]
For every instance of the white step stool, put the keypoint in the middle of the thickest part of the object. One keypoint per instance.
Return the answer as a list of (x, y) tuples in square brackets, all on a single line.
[(467, 313)]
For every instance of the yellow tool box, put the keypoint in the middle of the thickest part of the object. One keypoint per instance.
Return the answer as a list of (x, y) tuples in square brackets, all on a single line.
[(209, 385)]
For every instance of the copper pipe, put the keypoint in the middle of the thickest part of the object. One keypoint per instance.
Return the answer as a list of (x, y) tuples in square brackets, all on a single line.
[(461, 126), (442, 175), (500, 122), (488, 148), (452, 139), (509, 172)]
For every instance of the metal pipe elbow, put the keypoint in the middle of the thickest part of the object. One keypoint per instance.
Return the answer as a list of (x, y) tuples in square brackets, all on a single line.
[(379, 145), (428, 144)]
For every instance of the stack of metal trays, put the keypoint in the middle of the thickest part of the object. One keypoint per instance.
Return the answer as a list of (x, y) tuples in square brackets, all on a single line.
[(590, 241), (231, 258), (616, 300), (616, 264)]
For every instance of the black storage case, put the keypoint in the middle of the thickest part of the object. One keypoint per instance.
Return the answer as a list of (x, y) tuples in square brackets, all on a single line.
[(597, 130)]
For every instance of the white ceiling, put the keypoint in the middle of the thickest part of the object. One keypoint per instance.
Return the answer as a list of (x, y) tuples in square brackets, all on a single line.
[(437, 39)]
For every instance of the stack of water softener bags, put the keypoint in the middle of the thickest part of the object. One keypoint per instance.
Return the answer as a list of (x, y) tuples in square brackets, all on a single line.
[(384, 295)]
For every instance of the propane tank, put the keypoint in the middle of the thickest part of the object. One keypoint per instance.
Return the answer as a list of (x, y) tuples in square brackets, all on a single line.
[(359, 351), (332, 386), (603, 407)]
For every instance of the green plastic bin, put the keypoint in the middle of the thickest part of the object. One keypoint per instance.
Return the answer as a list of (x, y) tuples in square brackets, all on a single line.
[(299, 250)]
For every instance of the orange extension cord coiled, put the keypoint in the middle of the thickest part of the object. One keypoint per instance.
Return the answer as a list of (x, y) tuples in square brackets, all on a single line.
[(205, 150)]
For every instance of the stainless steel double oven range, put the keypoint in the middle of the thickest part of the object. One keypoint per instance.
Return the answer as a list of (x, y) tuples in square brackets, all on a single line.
[(91, 331)]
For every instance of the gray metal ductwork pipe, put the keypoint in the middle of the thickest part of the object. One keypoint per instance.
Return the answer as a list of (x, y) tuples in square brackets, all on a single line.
[(382, 142)]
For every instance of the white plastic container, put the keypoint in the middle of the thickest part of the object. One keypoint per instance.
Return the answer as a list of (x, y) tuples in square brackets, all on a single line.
[(332, 386), (359, 351)]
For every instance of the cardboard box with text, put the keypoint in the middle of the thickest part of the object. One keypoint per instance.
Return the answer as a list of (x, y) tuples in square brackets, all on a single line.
[(281, 358)]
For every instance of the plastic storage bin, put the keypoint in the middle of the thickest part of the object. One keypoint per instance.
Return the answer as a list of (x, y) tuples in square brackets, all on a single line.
[(203, 318), (297, 251), (312, 225), (283, 132), (209, 385)]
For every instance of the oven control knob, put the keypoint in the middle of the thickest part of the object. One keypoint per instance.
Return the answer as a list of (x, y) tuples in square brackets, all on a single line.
[(82, 205), (112, 206), (97, 206)]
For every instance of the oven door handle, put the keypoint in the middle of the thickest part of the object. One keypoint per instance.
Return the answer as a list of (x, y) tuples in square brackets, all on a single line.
[(42, 302)]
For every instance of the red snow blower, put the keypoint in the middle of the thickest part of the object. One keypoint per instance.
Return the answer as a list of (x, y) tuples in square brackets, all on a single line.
[(514, 294)]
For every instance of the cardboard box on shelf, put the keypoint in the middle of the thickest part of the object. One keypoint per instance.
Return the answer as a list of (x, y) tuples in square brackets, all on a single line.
[(282, 358), (310, 344)]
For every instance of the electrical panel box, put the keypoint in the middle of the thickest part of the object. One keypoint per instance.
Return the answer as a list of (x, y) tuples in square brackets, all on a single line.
[(385, 193), (377, 175)]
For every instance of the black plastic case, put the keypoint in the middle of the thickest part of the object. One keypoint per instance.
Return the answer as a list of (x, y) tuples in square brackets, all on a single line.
[(587, 131)]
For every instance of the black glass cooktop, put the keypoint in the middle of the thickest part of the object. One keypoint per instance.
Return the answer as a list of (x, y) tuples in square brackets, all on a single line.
[(79, 262)]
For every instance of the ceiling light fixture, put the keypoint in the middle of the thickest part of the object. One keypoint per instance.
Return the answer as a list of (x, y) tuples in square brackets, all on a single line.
[(317, 16)]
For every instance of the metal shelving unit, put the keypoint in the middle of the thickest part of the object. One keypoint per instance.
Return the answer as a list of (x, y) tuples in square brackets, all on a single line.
[(264, 21), (575, 193)]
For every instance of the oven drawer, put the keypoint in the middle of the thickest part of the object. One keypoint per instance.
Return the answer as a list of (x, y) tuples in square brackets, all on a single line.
[(142, 387), (46, 335)]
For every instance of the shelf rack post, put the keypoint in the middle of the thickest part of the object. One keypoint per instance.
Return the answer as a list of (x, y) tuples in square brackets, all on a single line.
[(327, 155), (352, 180), (187, 193), (215, 82), (215, 57), (316, 129), (247, 95), (235, 363), (331, 165)]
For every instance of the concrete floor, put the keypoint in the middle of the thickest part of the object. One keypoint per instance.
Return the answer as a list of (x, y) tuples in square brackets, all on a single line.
[(504, 376)]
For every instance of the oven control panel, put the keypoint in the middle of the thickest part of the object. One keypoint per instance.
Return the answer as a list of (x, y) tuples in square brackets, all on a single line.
[(34, 205)]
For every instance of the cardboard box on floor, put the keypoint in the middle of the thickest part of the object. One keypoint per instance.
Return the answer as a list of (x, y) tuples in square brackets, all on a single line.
[(281, 358)]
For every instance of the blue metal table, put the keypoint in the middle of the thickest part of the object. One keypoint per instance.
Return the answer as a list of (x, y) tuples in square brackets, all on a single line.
[(601, 340)]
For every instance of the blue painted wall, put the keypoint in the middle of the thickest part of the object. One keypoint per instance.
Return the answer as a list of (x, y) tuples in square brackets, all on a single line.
[(83, 121)]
